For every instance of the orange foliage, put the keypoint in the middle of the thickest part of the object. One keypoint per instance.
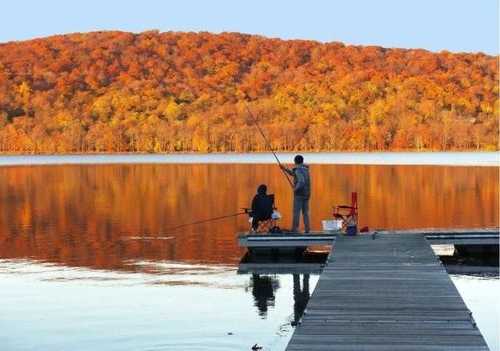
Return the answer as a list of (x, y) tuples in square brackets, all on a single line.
[(166, 92)]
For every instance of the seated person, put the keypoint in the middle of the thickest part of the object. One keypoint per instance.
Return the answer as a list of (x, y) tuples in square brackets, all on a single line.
[(262, 206)]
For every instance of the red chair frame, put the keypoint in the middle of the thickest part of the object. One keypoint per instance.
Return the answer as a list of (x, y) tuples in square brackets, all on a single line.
[(348, 213)]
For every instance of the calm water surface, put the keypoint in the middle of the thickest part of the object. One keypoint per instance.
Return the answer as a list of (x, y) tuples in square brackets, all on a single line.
[(71, 277)]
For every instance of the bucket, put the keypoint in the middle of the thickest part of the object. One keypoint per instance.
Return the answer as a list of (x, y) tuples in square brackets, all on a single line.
[(332, 224)]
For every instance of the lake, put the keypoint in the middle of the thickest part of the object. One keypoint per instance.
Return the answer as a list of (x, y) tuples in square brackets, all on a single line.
[(74, 274)]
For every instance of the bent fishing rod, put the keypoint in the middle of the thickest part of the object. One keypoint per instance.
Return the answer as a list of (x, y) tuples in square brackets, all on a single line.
[(268, 144)]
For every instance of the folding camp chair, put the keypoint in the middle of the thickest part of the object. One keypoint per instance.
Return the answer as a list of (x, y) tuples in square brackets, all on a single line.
[(264, 223), (349, 215)]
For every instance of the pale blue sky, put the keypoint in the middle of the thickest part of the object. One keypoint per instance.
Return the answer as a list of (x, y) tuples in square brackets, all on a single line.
[(454, 25)]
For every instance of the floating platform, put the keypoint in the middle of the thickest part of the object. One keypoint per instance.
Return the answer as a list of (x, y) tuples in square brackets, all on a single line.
[(282, 240), (385, 292), (473, 236)]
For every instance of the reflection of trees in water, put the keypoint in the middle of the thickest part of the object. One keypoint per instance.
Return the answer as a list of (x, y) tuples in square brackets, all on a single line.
[(78, 215), (300, 296), (263, 288)]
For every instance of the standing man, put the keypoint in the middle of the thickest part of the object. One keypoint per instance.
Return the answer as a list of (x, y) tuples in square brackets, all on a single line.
[(301, 192)]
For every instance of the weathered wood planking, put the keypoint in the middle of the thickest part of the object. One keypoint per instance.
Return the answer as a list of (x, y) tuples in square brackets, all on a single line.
[(387, 293)]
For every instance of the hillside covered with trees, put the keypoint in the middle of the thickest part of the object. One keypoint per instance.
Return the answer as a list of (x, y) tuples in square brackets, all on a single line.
[(173, 92)]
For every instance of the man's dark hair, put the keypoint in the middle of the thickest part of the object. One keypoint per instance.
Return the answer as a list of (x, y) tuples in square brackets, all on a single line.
[(262, 189), (298, 160)]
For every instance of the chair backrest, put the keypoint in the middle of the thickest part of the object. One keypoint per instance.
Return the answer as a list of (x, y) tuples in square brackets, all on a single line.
[(353, 208), (264, 207)]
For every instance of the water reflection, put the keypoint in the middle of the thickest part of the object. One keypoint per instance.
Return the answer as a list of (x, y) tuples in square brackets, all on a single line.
[(263, 288), (175, 306), (81, 215), (266, 270), (301, 296), (480, 294)]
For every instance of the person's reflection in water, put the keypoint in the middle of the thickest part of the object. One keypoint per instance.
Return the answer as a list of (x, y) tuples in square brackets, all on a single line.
[(300, 297), (263, 292)]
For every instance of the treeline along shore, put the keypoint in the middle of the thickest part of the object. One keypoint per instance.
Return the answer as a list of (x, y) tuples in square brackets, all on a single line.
[(177, 92)]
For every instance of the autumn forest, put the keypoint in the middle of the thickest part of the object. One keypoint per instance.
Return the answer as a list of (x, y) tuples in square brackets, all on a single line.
[(176, 92)]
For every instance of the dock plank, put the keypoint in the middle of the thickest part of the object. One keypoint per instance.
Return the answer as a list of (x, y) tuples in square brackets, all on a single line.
[(387, 293)]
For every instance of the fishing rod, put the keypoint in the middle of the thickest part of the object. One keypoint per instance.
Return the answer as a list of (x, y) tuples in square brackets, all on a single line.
[(268, 144), (206, 220), (172, 230), (306, 129)]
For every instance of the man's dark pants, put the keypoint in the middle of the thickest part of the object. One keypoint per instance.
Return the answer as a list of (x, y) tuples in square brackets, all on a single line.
[(300, 204)]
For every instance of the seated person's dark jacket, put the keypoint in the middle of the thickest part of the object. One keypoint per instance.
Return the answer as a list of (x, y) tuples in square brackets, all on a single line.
[(262, 208)]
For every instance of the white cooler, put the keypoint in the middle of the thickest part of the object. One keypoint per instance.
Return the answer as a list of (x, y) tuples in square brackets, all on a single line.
[(332, 224)]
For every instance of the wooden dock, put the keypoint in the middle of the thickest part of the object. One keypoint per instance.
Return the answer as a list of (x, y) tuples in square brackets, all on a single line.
[(453, 236), (385, 292)]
